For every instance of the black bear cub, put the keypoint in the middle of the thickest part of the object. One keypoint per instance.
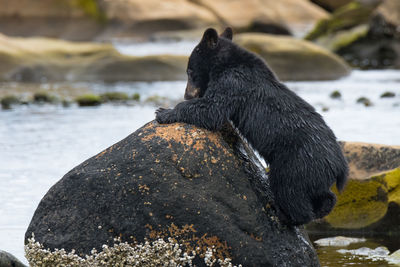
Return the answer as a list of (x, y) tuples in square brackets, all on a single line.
[(226, 82)]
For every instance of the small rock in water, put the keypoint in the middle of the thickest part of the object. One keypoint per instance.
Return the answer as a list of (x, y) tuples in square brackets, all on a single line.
[(336, 95), (339, 241), (8, 260), (325, 109), (365, 101), (379, 253), (394, 258), (388, 94)]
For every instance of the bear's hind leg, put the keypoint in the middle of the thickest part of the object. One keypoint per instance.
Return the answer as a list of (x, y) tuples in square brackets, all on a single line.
[(296, 209)]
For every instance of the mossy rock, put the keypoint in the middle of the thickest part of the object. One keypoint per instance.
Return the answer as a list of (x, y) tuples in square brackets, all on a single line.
[(371, 198), (136, 96), (365, 101), (294, 59), (114, 97), (91, 8), (8, 101), (338, 40), (44, 97), (388, 95), (346, 17), (336, 94), (364, 33), (88, 100)]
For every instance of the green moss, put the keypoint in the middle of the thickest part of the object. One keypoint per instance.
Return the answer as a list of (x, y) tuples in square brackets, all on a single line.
[(114, 96), (365, 202), (91, 8), (8, 101), (361, 204), (336, 41), (392, 180), (136, 96), (344, 18), (88, 100)]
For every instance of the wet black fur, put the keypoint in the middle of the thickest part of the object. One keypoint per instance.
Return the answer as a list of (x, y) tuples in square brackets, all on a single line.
[(304, 157)]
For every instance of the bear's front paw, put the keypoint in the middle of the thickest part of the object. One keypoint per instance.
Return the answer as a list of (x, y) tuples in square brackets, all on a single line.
[(165, 116)]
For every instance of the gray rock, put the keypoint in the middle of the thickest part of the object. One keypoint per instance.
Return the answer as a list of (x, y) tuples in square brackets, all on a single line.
[(8, 260)]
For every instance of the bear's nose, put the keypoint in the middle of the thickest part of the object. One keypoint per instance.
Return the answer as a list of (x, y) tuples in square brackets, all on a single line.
[(191, 91)]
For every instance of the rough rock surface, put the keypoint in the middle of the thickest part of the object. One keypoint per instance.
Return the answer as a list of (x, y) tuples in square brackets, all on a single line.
[(8, 260), (202, 188), (370, 203), (294, 59), (44, 59), (104, 19)]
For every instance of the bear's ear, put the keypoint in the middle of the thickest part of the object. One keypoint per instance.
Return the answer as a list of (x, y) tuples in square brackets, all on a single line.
[(228, 33), (210, 38)]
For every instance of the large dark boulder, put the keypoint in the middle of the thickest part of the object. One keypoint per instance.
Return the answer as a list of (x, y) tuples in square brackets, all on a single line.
[(205, 189)]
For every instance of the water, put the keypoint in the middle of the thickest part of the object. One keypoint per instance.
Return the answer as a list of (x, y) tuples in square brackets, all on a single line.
[(154, 48), (39, 144), (379, 123), (372, 252)]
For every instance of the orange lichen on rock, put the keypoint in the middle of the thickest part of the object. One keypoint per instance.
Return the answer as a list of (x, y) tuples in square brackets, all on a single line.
[(193, 137), (108, 150)]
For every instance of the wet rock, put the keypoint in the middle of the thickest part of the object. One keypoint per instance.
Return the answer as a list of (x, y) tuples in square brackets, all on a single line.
[(293, 59), (8, 260), (370, 202), (347, 17), (8, 101), (204, 189), (388, 95), (365, 101), (338, 241), (88, 100), (336, 95), (46, 60), (394, 258)]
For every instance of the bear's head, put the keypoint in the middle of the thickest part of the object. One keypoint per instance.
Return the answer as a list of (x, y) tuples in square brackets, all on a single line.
[(201, 60)]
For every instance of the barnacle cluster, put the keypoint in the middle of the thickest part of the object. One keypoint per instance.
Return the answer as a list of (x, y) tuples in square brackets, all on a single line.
[(159, 252)]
